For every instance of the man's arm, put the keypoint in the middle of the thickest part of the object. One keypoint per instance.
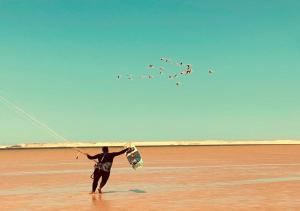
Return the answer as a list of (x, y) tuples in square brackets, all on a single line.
[(119, 153), (92, 157)]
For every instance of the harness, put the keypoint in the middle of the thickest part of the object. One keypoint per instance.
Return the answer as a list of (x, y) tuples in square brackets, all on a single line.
[(101, 166)]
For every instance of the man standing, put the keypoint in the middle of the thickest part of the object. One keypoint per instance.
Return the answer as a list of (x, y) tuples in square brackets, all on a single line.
[(102, 168)]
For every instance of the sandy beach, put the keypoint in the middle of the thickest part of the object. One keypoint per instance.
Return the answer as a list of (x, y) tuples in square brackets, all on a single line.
[(265, 177)]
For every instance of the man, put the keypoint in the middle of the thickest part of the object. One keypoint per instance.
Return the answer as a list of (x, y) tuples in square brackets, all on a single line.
[(102, 168)]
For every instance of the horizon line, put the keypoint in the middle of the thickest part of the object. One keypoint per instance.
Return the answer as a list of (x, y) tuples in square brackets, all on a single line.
[(216, 142)]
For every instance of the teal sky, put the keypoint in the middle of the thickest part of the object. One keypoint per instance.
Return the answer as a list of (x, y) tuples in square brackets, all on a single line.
[(59, 61)]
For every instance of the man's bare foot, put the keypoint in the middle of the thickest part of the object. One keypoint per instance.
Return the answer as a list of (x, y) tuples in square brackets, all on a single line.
[(99, 190)]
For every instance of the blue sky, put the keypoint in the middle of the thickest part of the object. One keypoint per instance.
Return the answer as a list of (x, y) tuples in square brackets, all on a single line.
[(59, 61)]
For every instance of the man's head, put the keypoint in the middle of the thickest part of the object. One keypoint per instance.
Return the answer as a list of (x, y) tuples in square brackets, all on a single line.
[(105, 149)]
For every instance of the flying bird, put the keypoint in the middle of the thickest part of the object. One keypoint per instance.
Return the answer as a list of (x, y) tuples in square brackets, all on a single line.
[(210, 71)]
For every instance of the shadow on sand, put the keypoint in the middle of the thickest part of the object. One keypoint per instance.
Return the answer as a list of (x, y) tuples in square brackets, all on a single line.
[(131, 190), (137, 191)]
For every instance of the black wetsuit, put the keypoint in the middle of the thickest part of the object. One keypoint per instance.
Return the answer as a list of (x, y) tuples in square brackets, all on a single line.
[(103, 168)]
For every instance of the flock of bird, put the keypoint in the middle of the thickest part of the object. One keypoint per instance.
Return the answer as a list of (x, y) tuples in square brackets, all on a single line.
[(174, 71)]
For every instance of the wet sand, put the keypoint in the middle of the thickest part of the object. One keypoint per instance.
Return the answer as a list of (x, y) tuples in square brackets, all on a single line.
[(263, 177)]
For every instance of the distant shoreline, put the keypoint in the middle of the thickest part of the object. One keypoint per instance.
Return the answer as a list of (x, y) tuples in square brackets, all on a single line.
[(147, 144)]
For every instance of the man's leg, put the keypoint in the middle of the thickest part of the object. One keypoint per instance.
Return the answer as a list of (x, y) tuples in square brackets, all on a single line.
[(105, 176), (97, 176)]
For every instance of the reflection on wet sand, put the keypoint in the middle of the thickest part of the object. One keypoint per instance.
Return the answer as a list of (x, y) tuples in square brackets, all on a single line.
[(98, 203)]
